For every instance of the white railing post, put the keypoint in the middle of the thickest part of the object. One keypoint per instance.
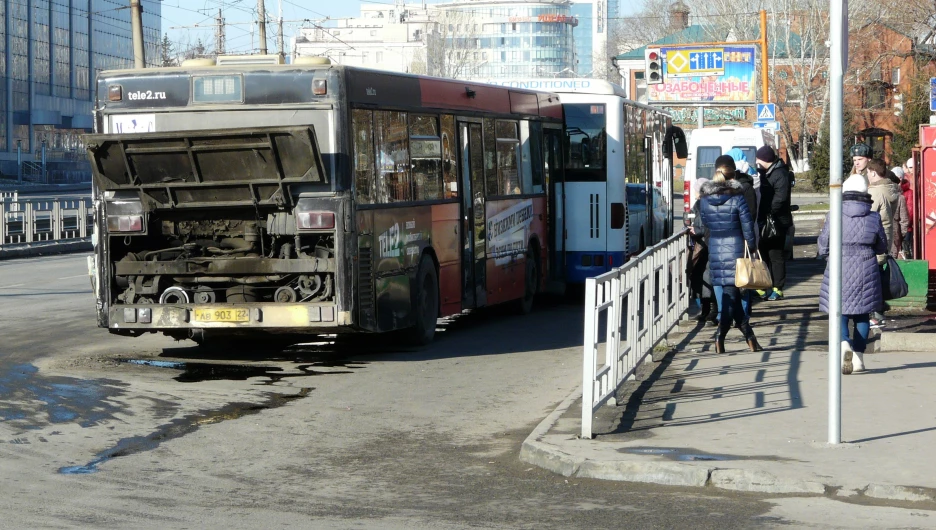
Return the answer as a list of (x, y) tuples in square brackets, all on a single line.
[(588, 359), (29, 226)]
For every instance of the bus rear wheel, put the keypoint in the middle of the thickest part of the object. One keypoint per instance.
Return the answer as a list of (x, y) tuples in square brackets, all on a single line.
[(425, 304), (531, 284)]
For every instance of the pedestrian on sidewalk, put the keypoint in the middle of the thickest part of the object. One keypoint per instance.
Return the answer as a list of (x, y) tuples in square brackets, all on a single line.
[(906, 189), (901, 214), (861, 155), (725, 213), (700, 276), (774, 206), (727, 166), (862, 240), (885, 197)]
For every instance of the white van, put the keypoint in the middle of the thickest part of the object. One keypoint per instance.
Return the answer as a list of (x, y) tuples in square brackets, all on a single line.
[(707, 144)]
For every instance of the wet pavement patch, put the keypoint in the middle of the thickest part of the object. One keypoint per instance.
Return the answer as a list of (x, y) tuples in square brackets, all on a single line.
[(180, 427), (688, 454), (194, 372), (33, 401), (678, 453)]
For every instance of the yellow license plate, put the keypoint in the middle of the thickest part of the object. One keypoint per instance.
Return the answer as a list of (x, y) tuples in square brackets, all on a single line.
[(222, 315)]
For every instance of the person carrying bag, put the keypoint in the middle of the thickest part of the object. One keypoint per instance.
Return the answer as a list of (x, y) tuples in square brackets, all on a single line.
[(725, 213)]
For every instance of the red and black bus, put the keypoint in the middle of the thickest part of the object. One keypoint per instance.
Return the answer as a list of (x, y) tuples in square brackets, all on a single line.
[(315, 198)]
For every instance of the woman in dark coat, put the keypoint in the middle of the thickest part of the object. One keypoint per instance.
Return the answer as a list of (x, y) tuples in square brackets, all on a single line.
[(726, 215), (862, 240)]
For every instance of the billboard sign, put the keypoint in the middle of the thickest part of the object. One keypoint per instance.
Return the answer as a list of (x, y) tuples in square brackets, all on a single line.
[(737, 85)]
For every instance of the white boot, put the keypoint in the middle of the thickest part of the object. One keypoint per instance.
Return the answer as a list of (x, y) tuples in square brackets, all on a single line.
[(858, 363), (847, 354)]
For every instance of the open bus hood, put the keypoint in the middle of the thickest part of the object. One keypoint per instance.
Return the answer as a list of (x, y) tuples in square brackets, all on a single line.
[(222, 167)]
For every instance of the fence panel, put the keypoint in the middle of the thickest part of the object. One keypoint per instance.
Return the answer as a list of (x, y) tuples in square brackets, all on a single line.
[(637, 304), (44, 220)]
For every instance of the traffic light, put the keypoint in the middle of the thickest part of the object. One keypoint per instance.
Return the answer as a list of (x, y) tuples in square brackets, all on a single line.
[(653, 66), (898, 103)]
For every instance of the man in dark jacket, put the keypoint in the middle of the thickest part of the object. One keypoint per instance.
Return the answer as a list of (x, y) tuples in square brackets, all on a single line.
[(775, 204)]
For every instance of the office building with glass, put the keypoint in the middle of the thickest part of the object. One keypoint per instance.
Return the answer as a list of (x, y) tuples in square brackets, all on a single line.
[(52, 52), (505, 39)]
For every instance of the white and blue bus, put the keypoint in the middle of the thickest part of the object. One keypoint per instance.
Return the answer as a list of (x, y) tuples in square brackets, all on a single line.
[(617, 196)]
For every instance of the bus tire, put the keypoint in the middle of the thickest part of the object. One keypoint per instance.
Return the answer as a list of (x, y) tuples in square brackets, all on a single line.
[(531, 283), (425, 303)]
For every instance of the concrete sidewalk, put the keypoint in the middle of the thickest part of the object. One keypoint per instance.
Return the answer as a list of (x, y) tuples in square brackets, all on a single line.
[(758, 421)]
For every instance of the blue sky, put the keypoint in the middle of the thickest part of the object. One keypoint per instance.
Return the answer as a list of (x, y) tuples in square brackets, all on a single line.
[(179, 17)]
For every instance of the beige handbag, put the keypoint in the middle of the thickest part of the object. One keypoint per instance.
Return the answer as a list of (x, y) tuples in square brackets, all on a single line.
[(751, 273)]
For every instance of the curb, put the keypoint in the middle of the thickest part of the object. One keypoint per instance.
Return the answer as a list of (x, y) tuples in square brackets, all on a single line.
[(549, 457), (915, 342), (30, 250)]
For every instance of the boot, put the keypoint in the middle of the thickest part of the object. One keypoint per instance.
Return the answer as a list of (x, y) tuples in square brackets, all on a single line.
[(706, 309), (858, 362), (719, 344), (847, 354), (748, 333)]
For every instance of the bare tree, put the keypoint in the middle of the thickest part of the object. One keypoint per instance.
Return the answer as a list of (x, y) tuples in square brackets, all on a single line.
[(452, 45)]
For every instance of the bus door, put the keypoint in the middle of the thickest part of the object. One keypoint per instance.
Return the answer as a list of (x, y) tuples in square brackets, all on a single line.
[(555, 175), (652, 230), (474, 252)]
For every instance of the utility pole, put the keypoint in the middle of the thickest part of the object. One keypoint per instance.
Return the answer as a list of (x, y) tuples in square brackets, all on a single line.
[(219, 35), (838, 60), (136, 26), (279, 35), (261, 19)]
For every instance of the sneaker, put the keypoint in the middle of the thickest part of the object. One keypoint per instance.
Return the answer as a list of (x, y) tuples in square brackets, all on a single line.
[(776, 294), (876, 324), (760, 293), (847, 354)]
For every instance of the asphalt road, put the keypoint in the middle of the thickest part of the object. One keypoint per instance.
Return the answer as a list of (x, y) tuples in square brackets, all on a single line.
[(107, 432)]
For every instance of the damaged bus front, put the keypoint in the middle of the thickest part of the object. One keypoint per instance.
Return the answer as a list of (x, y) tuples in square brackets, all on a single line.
[(203, 230)]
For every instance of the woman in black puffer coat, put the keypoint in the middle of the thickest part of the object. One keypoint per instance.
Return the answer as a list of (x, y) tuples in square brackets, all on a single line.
[(725, 213)]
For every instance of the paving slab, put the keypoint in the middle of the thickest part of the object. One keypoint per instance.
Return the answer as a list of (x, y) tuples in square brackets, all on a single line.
[(745, 421)]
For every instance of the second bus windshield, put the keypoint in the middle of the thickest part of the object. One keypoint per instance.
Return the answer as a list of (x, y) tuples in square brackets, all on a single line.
[(586, 141)]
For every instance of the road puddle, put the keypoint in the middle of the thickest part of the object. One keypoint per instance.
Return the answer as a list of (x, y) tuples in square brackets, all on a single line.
[(195, 372), (32, 402), (180, 427)]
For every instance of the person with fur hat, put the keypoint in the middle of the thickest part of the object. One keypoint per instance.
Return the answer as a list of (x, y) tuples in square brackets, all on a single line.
[(725, 213), (862, 240), (774, 203)]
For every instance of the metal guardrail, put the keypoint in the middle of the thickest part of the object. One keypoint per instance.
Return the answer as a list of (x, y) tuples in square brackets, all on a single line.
[(638, 303), (40, 220)]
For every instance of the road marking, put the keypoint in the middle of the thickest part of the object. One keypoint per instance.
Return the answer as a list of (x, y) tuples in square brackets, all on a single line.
[(11, 286), (85, 275)]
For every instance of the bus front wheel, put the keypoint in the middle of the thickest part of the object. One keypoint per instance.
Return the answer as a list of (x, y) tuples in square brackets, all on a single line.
[(425, 305)]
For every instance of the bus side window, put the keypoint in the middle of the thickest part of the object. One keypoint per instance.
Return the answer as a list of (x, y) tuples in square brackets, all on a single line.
[(490, 159), (362, 130), (449, 164), (394, 181), (536, 157), (508, 158), (426, 155)]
